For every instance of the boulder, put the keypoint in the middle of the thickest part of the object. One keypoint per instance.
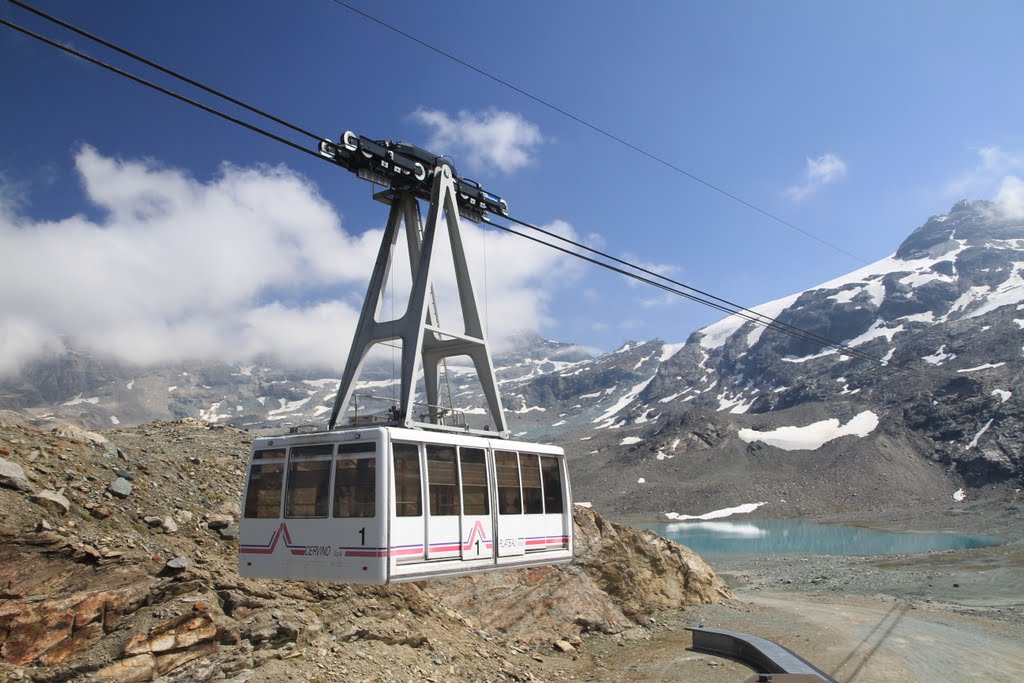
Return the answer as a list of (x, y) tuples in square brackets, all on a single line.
[(176, 564), (219, 521), (120, 487), (53, 501), (179, 633), (12, 476), (51, 631), (74, 433)]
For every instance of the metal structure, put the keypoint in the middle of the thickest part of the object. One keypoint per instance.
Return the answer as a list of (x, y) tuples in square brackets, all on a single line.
[(404, 495), (425, 343), (772, 661)]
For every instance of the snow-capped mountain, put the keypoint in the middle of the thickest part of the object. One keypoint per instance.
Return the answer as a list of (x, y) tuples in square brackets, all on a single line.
[(941, 323), (546, 387)]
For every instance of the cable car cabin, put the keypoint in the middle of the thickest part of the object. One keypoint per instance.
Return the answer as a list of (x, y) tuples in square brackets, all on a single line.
[(387, 504)]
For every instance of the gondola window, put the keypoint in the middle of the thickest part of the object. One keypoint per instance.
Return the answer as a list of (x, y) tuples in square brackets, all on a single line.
[(474, 482), (408, 494), (552, 485), (509, 497), (263, 497), (309, 477), (533, 498), (355, 487), (443, 478)]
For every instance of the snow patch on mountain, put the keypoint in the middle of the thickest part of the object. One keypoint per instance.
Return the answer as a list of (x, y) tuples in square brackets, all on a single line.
[(669, 350), (815, 435), (986, 366), (1003, 395), (717, 334), (939, 357), (981, 432), (610, 413), (78, 400)]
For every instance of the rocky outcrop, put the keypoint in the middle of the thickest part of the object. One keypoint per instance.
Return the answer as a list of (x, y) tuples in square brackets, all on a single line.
[(640, 570), (57, 603), (618, 578)]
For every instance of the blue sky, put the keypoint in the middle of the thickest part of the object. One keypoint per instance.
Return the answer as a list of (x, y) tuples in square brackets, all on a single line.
[(853, 121)]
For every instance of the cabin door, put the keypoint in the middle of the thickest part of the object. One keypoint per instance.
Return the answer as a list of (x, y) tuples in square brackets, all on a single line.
[(509, 505), (477, 539), (443, 503)]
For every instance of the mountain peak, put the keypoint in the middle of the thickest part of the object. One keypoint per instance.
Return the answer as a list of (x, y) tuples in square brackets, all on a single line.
[(969, 219)]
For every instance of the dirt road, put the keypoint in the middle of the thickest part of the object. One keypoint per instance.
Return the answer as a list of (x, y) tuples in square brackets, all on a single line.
[(853, 638), (941, 616)]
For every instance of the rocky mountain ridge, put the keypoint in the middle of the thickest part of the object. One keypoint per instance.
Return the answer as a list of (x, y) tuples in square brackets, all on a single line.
[(933, 409), (545, 386)]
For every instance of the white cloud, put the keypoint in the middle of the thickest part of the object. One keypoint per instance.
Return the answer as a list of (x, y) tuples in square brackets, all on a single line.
[(226, 269), (1009, 198), (994, 164), (485, 139), (822, 171)]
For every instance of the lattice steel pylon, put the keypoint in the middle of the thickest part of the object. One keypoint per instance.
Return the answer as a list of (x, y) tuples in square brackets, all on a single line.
[(424, 342)]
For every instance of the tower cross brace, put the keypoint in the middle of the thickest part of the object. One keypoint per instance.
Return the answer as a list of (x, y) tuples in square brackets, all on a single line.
[(425, 343)]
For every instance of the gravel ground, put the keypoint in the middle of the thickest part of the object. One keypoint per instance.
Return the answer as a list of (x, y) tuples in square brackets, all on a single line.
[(954, 615)]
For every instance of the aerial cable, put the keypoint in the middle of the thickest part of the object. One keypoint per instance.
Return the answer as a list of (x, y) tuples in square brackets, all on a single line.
[(602, 131), (714, 302), (169, 72), (766, 320), (159, 88), (756, 318)]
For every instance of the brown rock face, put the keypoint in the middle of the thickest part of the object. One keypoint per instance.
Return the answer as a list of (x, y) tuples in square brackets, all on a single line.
[(641, 570), (619, 575), (56, 608), (177, 634)]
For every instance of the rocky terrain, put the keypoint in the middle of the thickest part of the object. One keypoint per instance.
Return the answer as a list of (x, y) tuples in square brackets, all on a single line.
[(118, 558)]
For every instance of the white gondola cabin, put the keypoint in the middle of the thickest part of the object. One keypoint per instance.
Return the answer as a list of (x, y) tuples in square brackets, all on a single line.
[(387, 504), (418, 494)]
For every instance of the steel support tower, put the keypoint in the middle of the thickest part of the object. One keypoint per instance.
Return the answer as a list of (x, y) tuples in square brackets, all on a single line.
[(425, 344)]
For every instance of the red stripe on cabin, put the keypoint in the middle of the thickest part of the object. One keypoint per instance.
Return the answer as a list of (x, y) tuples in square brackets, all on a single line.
[(407, 551), (443, 548), (365, 553)]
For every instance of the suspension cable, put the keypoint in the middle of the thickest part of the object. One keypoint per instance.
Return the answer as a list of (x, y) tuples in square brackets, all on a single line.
[(169, 72), (674, 287)]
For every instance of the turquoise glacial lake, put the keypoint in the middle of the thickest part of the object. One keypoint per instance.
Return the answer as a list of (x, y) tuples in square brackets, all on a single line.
[(777, 537)]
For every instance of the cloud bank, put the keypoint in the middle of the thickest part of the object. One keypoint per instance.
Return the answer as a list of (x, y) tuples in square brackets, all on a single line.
[(993, 166), (1009, 198), (491, 138), (819, 172), (228, 269)]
